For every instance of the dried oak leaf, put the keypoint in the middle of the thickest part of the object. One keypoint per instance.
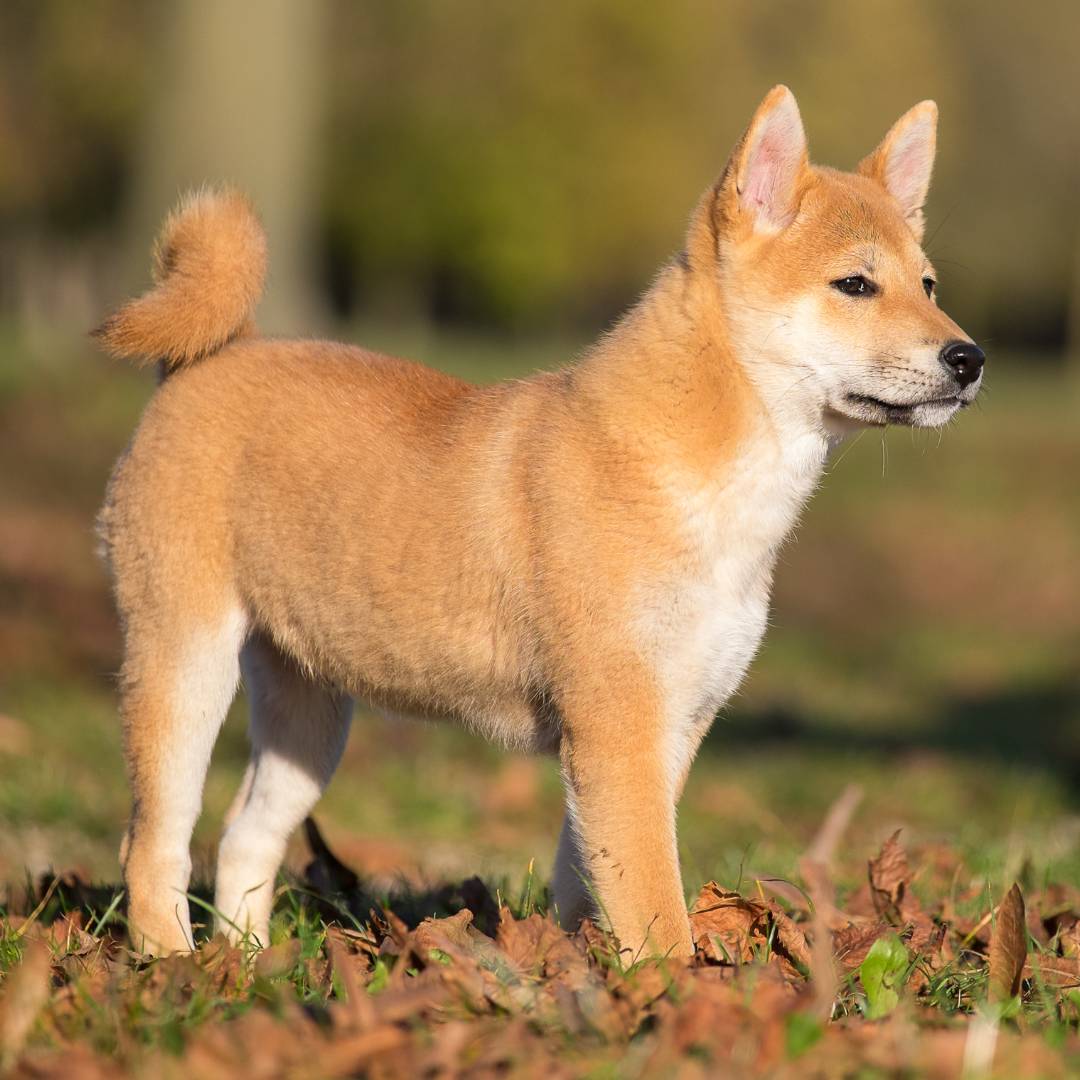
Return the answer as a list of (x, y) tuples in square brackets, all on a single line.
[(732, 929), (478, 971), (1056, 972), (927, 942), (599, 946), (278, 960), (220, 965), (1068, 937), (724, 924), (439, 933), (854, 941), (390, 931), (790, 937), (1059, 930), (890, 883), (1008, 947), (537, 945)]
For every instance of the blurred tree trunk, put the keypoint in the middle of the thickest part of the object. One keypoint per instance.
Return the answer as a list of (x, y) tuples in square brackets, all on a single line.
[(239, 98)]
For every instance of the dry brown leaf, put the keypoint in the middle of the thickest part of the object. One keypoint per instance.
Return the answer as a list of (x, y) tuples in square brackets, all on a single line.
[(222, 964), (1055, 972), (278, 960), (357, 1010), (890, 883), (1008, 947), (350, 1055), (537, 945), (790, 937), (723, 922), (597, 944), (438, 933), (1060, 930), (853, 942), (1068, 939), (390, 931), (733, 929)]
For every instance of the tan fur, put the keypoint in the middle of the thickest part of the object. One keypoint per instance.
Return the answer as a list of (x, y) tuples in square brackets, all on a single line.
[(576, 562), (209, 266)]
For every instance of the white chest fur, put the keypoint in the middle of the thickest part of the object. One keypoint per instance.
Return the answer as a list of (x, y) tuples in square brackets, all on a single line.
[(703, 626)]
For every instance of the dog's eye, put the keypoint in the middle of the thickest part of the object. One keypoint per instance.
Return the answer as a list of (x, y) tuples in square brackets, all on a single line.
[(856, 285), (929, 284)]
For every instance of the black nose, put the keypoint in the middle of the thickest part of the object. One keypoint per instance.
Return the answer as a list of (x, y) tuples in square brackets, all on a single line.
[(966, 360)]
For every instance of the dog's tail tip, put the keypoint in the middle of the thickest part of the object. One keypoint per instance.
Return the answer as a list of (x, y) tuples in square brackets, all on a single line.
[(209, 271)]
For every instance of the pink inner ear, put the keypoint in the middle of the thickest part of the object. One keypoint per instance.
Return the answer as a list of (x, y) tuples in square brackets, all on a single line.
[(908, 167), (772, 166), (766, 168)]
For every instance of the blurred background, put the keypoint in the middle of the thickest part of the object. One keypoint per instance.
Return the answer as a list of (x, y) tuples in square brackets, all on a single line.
[(485, 187)]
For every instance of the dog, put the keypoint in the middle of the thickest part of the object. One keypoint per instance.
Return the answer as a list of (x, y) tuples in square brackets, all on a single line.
[(577, 563)]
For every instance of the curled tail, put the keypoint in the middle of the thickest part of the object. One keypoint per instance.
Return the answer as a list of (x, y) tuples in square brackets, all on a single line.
[(209, 269)]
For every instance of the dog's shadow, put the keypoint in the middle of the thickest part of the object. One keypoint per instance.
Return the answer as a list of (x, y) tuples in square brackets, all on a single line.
[(1035, 727), (340, 894)]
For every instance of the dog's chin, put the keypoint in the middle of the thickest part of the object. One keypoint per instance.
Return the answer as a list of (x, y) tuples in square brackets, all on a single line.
[(871, 411)]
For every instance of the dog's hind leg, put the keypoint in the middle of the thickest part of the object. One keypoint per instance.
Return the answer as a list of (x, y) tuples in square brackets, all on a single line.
[(178, 680), (298, 730)]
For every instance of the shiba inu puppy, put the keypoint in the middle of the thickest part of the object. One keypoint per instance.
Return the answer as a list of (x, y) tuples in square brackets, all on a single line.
[(578, 562)]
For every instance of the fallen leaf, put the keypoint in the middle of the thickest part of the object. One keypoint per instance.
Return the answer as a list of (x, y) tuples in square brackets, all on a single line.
[(1008, 947), (723, 924), (890, 883), (1054, 972), (854, 941), (278, 960), (536, 944), (732, 929), (437, 933)]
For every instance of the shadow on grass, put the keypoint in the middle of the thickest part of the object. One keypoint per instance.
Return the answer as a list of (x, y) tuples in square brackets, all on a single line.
[(324, 892), (335, 889), (1036, 726)]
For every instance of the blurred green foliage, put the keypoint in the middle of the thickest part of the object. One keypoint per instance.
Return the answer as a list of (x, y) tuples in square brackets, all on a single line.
[(521, 164)]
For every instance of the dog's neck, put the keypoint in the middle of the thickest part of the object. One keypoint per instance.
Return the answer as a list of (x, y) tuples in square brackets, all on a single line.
[(669, 376)]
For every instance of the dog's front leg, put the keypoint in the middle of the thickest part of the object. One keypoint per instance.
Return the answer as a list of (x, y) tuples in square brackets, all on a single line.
[(621, 799)]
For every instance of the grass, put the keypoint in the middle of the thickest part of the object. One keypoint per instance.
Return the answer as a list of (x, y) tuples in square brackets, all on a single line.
[(356, 980), (923, 644)]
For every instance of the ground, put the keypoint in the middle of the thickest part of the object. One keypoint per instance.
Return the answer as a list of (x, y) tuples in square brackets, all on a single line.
[(923, 647)]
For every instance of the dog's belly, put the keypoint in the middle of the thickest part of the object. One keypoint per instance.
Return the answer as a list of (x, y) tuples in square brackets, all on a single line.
[(411, 644)]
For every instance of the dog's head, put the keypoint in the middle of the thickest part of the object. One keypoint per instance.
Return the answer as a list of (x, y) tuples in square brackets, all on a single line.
[(826, 288)]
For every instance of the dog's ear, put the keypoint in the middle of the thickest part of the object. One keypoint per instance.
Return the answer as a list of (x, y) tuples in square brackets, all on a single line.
[(764, 174), (760, 189), (904, 160)]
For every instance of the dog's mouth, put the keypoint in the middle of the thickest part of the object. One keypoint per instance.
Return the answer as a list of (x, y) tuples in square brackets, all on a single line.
[(866, 407)]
